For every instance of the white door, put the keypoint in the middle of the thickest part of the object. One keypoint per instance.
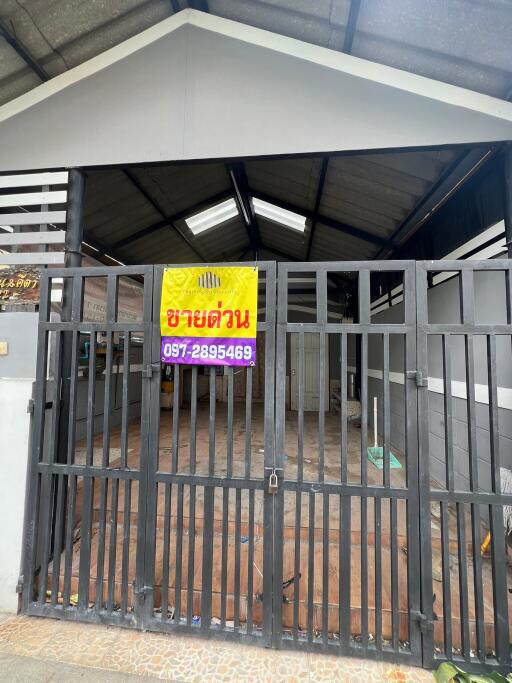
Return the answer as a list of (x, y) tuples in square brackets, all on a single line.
[(311, 371)]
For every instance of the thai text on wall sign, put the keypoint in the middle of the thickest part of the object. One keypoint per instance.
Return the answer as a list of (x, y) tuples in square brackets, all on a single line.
[(208, 315), (19, 285)]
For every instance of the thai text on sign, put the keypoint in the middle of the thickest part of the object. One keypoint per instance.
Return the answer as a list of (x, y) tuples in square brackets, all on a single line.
[(208, 315), (19, 285)]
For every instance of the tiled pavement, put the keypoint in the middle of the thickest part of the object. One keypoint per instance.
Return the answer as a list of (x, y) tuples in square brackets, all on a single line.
[(184, 659)]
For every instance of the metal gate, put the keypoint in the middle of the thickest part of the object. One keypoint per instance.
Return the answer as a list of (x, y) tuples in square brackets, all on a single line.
[(163, 519), (209, 489), (464, 441), (348, 512), (83, 553)]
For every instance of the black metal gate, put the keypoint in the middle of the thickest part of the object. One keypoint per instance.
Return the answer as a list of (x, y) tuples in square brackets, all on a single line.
[(210, 487), (349, 512), (149, 502), (83, 554), (466, 590)]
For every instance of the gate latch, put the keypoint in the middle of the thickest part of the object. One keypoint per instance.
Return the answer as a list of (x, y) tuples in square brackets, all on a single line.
[(149, 370), (418, 377), (426, 625)]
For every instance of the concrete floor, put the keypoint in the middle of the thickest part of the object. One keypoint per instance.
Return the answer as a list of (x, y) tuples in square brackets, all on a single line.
[(16, 669), (254, 445)]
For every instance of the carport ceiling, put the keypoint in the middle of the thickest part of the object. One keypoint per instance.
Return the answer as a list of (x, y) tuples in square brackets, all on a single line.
[(461, 42), (355, 206)]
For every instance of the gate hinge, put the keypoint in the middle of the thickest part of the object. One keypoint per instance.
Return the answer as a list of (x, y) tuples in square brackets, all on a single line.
[(418, 377), (426, 625), (19, 585), (150, 369), (30, 406)]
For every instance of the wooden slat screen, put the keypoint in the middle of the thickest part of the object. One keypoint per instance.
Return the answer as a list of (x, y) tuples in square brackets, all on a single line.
[(32, 218)]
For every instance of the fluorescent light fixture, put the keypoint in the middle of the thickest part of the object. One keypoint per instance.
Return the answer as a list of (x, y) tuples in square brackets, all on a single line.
[(283, 216), (213, 216)]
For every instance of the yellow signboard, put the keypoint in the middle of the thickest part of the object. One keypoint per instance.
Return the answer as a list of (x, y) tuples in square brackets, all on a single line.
[(208, 315)]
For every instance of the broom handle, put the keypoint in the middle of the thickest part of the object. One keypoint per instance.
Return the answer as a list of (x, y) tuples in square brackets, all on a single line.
[(375, 422)]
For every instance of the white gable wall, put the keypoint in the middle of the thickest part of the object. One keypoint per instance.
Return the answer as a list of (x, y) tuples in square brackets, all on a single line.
[(189, 89)]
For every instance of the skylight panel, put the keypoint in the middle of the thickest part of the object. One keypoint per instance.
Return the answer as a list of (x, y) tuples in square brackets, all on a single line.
[(279, 215), (209, 218)]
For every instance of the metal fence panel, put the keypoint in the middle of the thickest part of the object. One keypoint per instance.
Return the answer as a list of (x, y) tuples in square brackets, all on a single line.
[(469, 611)]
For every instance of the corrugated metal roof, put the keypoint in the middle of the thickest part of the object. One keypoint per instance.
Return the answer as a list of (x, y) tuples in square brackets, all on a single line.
[(162, 247), (113, 209), (376, 192), (458, 42), (372, 193), (227, 240), (331, 245), (177, 188), (282, 239)]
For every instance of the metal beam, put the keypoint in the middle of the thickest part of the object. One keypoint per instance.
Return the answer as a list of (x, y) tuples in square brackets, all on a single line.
[(243, 255), (25, 55), (324, 220), (240, 185), (137, 184), (101, 251), (180, 215), (278, 252), (318, 199), (457, 173), (201, 5), (350, 31)]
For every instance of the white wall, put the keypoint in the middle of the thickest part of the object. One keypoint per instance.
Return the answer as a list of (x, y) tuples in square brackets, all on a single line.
[(14, 438), (17, 373)]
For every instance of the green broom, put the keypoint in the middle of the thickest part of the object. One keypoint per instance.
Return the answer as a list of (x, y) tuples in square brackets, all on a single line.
[(376, 453)]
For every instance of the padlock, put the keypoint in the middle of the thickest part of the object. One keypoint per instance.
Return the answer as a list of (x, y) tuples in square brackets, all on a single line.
[(272, 482)]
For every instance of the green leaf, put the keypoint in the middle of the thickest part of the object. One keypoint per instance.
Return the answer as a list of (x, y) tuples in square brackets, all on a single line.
[(449, 673)]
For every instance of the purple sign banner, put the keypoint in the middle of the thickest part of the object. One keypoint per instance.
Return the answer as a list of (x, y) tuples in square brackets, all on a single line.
[(208, 350)]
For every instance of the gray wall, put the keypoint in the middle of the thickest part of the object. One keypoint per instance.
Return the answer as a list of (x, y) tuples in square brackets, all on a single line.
[(19, 330), (444, 306), (134, 397)]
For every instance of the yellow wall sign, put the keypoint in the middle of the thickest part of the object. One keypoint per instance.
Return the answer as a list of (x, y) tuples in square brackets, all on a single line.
[(208, 315)]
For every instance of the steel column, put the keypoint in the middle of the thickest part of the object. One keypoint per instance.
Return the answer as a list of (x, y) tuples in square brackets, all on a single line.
[(507, 196)]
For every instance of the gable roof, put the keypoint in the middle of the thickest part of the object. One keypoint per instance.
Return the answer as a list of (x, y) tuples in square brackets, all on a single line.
[(196, 86), (427, 37)]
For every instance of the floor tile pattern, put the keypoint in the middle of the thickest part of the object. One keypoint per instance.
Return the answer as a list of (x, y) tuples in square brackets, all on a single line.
[(185, 659)]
